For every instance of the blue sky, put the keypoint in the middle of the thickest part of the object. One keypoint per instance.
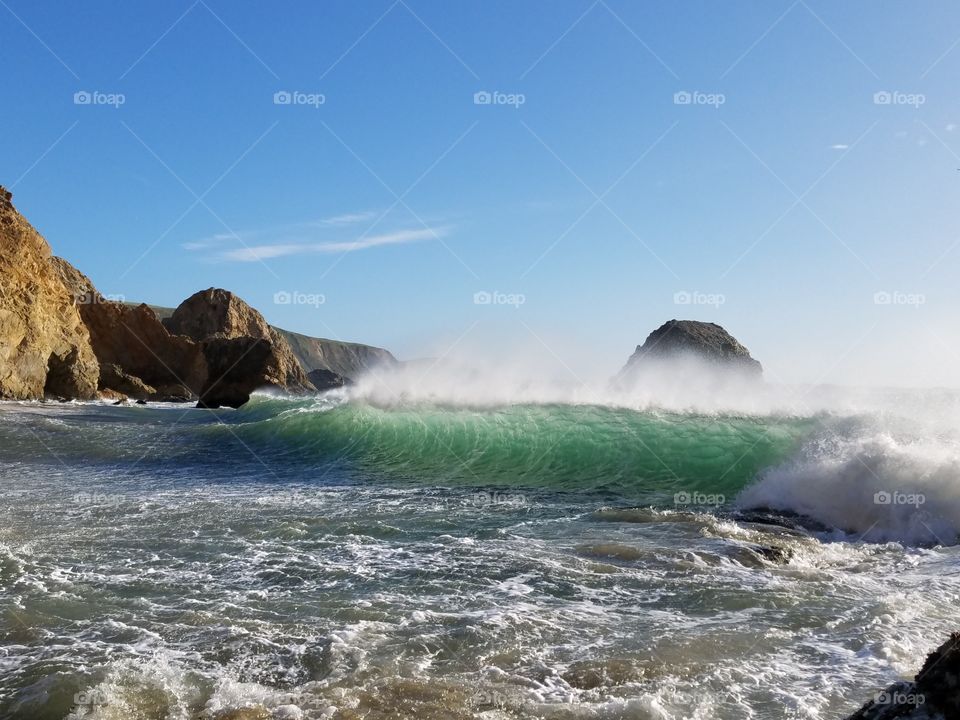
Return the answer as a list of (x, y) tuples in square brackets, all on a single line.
[(787, 200)]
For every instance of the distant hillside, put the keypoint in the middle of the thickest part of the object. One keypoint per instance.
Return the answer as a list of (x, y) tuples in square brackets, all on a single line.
[(347, 359)]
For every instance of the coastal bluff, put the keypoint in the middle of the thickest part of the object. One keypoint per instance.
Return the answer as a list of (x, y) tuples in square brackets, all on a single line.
[(61, 338), (45, 347)]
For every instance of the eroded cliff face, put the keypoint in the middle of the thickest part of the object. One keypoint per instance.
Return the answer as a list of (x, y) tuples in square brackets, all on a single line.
[(138, 356), (59, 337), (45, 348)]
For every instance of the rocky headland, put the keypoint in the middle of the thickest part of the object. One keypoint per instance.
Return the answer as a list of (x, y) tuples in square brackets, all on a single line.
[(61, 338)]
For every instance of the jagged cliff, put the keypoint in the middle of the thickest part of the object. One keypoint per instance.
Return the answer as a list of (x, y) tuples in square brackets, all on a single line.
[(138, 356), (45, 347), (59, 337)]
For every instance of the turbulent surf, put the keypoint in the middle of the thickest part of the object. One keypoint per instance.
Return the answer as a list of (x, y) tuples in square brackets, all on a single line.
[(349, 557)]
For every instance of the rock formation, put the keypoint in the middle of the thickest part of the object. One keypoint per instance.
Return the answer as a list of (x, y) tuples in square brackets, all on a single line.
[(934, 692), (345, 360), (60, 337), (217, 313), (243, 353), (45, 347), (705, 344), (327, 379), (138, 356)]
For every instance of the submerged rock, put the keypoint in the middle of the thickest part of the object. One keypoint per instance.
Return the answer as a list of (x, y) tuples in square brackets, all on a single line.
[(44, 345), (705, 343), (327, 379), (776, 554), (934, 692)]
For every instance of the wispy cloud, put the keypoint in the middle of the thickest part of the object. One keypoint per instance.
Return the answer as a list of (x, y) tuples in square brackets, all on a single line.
[(349, 218), (265, 252), (839, 146), (310, 237)]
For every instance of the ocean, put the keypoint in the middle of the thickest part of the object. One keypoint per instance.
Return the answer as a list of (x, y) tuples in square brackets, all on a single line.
[(354, 557)]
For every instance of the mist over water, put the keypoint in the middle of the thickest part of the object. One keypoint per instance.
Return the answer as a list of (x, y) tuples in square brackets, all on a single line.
[(479, 539)]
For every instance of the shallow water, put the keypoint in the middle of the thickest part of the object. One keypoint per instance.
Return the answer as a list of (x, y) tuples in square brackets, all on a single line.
[(337, 559)]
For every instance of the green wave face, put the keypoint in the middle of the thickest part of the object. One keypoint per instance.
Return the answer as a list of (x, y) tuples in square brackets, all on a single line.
[(570, 447)]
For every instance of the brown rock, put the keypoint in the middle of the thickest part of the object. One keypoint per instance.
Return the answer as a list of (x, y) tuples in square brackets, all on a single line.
[(45, 348), (113, 377), (242, 351), (108, 394), (134, 341), (216, 313)]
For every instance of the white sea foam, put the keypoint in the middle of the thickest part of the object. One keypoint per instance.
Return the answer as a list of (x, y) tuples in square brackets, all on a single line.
[(872, 484)]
